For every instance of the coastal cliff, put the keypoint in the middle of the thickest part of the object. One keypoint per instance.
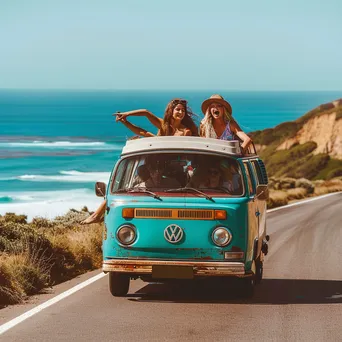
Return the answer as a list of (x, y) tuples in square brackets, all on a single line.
[(309, 147)]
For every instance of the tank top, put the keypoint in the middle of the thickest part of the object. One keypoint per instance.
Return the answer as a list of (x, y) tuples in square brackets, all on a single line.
[(228, 134)]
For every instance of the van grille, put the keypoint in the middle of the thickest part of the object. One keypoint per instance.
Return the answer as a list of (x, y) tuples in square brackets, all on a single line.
[(181, 214), (153, 213)]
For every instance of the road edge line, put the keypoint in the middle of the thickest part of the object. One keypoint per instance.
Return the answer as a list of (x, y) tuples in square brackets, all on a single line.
[(303, 202), (12, 323)]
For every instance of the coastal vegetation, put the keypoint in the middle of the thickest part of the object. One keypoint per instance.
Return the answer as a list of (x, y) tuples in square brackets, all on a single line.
[(44, 252), (309, 147)]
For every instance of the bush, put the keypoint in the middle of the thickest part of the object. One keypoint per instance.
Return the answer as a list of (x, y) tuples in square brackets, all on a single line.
[(311, 167), (43, 252), (277, 199), (297, 193), (10, 292), (305, 184), (12, 217), (287, 183)]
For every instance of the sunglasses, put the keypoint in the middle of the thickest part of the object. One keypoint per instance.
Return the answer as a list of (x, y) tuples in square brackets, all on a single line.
[(182, 102)]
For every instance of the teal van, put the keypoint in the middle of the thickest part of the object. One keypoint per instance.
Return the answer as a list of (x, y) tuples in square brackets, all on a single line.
[(184, 208)]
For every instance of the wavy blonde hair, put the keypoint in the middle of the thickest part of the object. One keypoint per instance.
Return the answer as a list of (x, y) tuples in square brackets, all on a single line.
[(207, 128)]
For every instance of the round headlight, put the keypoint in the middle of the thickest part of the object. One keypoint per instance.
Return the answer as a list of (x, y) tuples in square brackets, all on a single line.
[(126, 235), (221, 236)]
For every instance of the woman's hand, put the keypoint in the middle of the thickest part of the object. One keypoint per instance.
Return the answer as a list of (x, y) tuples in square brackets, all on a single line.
[(121, 117)]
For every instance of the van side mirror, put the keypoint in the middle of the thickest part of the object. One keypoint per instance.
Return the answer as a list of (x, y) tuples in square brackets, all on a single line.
[(262, 192), (100, 189)]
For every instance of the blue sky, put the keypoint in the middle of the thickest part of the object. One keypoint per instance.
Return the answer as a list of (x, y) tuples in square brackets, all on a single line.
[(158, 44)]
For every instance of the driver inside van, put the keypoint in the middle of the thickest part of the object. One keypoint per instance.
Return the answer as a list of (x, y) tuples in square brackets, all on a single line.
[(157, 179)]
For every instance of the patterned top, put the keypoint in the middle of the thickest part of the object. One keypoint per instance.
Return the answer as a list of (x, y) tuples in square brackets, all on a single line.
[(228, 134)]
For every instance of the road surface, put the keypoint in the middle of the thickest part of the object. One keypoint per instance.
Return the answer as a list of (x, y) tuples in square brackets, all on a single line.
[(300, 298)]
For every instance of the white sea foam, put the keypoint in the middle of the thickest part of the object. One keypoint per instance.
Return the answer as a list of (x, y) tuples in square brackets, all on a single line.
[(49, 204), (64, 176), (63, 144)]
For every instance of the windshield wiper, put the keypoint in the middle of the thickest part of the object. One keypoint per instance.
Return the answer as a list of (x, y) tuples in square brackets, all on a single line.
[(140, 189), (192, 190)]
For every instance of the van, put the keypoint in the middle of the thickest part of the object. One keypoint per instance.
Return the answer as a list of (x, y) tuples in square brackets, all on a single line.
[(184, 208)]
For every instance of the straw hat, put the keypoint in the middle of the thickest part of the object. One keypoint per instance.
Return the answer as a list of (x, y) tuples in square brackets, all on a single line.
[(218, 99)]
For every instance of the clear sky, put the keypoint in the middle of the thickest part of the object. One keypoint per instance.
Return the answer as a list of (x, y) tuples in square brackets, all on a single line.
[(171, 44)]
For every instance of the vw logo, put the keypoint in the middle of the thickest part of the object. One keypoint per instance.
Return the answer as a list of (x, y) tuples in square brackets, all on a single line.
[(173, 233)]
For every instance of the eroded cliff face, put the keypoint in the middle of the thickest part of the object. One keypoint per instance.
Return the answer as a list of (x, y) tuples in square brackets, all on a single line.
[(324, 130)]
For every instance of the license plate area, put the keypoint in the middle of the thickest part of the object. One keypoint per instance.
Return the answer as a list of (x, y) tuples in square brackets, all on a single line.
[(172, 272)]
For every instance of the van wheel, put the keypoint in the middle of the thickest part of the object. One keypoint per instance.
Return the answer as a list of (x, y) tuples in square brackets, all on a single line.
[(247, 287), (259, 270), (118, 284)]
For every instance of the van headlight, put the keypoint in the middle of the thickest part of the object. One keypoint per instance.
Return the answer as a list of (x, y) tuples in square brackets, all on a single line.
[(126, 234), (221, 236)]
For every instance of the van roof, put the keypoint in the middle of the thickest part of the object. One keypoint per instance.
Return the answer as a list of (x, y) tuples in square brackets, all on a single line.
[(181, 143)]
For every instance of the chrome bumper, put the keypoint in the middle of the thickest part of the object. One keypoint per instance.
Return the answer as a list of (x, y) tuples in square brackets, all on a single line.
[(200, 268)]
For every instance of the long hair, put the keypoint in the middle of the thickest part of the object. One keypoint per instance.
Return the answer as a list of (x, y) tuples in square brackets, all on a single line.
[(187, 121), (207, 128)]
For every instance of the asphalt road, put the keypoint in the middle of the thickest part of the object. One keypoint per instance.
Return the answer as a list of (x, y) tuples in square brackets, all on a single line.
[(300, 298)]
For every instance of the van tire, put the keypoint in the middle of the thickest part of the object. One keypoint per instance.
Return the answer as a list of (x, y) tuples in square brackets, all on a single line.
[(259, 270), (247, 287), (118, 284)]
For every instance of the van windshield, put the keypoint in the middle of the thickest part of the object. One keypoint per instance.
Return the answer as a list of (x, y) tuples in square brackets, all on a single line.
[(166, 171)]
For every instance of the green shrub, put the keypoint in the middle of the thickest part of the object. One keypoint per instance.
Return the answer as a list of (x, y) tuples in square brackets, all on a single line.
[(12, 217), (311, 167), (305, 184), (334, 173), (331, 168), (287, 183)]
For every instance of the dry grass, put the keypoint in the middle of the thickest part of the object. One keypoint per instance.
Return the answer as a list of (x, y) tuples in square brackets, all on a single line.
[(297, 193), (325, 187), (24, 272), (277, 199), (42, 253)]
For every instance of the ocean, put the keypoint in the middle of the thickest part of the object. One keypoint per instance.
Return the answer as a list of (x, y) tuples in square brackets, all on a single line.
[(54, 144)]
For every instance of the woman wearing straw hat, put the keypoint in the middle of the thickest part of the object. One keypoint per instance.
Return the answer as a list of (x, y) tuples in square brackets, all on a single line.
[(218, 122)]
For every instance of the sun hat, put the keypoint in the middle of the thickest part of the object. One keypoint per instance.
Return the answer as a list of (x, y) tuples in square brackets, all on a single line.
[(218, 99)]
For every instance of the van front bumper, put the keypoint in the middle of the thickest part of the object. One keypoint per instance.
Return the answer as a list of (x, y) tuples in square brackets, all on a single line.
[(200, 268)]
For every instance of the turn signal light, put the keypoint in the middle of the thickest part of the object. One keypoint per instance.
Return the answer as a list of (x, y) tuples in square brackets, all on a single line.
[(220, 215), (128, 212)]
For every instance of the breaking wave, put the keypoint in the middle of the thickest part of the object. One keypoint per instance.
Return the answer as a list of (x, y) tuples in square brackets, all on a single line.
[(64, 176), (96, 145), (47, 204)]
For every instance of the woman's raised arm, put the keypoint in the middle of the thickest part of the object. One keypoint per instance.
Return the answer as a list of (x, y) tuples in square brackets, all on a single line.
[(135, 129), (155, 121)]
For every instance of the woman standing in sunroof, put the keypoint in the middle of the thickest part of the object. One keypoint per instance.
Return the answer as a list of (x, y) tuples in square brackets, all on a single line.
[(177, 121), (218, 122)]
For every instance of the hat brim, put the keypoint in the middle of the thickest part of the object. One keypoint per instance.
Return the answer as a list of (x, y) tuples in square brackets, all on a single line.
[(208, 102)]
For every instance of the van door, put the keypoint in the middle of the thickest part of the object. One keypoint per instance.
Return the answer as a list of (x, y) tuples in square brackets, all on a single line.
[(253, 229), (260, 178)]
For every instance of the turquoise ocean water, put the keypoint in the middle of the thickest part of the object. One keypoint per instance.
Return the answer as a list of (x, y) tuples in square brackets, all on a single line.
[(54, 145)]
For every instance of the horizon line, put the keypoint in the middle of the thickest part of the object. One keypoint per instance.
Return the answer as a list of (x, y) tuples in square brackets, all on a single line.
[(167, 89)]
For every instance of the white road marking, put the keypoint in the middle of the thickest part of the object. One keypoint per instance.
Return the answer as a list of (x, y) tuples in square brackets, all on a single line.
[(30, 313), (302, 202)]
